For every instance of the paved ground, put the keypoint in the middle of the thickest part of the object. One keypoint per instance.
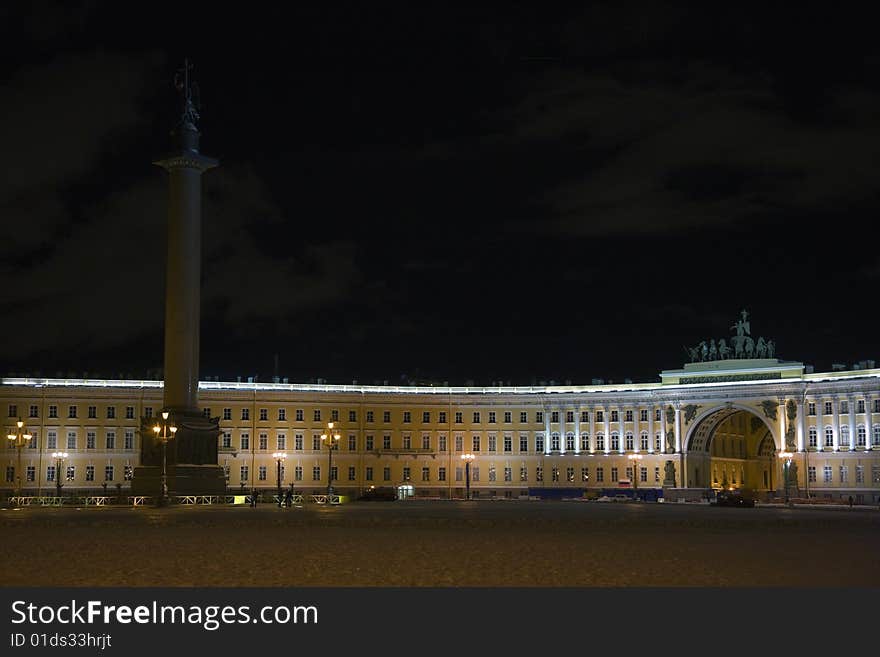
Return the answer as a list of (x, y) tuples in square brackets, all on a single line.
[(442, 544)]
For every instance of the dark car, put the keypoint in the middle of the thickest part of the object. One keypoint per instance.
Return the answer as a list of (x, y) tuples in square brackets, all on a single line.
[(737, 497), (379, 495)]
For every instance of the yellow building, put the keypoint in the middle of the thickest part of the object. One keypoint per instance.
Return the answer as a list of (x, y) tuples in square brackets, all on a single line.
[(727, 423)]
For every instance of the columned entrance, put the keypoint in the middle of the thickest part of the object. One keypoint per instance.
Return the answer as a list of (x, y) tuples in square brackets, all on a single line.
[(731, 447)]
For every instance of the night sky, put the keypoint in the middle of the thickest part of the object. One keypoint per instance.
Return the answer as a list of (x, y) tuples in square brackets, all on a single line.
[(433, 194)]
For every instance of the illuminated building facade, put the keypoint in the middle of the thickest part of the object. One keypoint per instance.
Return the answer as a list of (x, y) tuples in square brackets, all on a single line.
[(725, 423)]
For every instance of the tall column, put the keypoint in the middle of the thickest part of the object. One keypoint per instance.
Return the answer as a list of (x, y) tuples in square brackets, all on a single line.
[(606, 416), (592, 426), (820, 424), (781, 419), (851, 401), (651, 429), (677, 428), (869, 429), (802, 425), (621, 428), (835, 423), (547, 430), (562, 430), (577, 430)]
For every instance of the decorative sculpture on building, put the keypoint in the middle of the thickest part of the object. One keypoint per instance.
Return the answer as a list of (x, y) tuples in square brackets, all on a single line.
[(769, 407), (791, 414), (742, 345), (690, 412), (669, 475)]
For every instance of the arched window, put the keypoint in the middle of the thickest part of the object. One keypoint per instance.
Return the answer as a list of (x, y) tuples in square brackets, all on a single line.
[(644, 440), (569, 441), (829, 437), (554, 442), (600, 441), (844, 435), (860, 435), (813, 437), (629, 441), (615, 441)]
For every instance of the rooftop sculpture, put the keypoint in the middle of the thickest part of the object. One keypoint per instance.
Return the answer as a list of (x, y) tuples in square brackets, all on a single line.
[(740, 345)]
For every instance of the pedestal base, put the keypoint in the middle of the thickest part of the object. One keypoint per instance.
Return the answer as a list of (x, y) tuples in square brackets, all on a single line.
[(182, 480)]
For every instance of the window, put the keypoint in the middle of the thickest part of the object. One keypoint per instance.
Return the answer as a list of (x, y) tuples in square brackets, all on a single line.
[(368, 473), (875, 436), (227, 439), (600, 474), (298, 473), (539, 416), (128, 472), (245, 441), (827, 474), (459, 474), (148, 411), (475, 473), (615, 416), (243, 473), (90, 440), (523, 443), (71, 440), (523, 473), (334, 415), (407, 442), (459, 440), (613, 474), (10, 473), (811, 408), (407, 417), (860, 406), (30, 473), (386, 416), (441, 474), (585, 416), (844, 435), (299, 415), (657, 415), (108, 473), (129, 412), (426, 473), (828, 408), (643, 415), (508, 443), (264, 441), (523, 417), (569, 474), (351, 473), (844, 407), (53, 411), (386, 473), (508, 417), (334, 472), (110, 439), (628, 442), (298, 441), (643, 474), (491, 417), (426, 417), (316, 415), (492, 476), (811, 474), (476, 417), (657, 473), (316, 473), (877, 405), (426, 441), (844, 474), (569, 416), (352, 443), (628, 417), (554, 416), (585, 474), (369, 416), (282, 414), (615, 444), (35, 411), (281, 441), (458, 418), (386, 441), (475, 442), (600, 416), (442, 418), (13, 411), (492, 443), (368, 443), (261, 473), (227, 413), (246, 414), (71, 472), (71, 411), (539, 442), (813, 436), (585, 442), (643, 441), (352, 416), (829, 437), (860, 474), (508, 473), (441, 442), (50, 473)]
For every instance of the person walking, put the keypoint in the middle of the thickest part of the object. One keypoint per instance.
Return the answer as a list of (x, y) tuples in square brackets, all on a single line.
[(850, 501)]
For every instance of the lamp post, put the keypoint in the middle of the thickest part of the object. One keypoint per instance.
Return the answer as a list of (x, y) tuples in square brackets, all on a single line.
[(279, 461), (635, 459), (786, 469), (161, 431), (59, 463), (19, 439), (467, 458), (332, 439)]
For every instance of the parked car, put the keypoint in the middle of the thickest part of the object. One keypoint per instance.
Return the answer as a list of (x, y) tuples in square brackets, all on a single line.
[(736, 497), (379, 495)]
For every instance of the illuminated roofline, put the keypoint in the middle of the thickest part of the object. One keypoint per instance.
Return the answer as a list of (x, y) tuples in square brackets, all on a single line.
[(436, 390)]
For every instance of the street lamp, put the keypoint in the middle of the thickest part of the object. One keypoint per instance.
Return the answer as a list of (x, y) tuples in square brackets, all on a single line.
[(786, 469), (19, 439), (279, 460), (635, 459), (467, 458), (332, 440), (161, 432), (59, 460)]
